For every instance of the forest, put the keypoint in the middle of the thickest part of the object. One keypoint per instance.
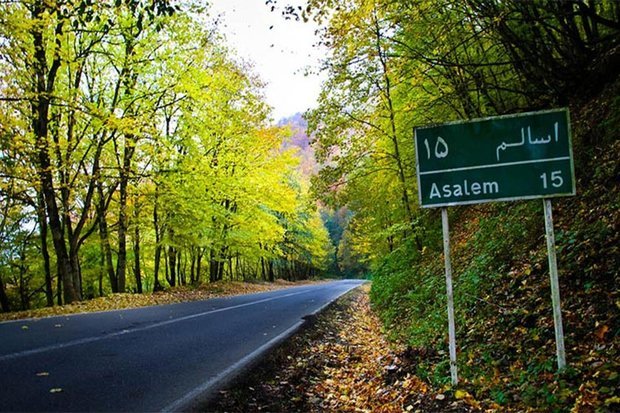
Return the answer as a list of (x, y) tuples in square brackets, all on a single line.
[(397, 65), (137, 154)]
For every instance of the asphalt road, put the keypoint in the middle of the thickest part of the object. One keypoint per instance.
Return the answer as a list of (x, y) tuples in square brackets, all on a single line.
[(162, 358)]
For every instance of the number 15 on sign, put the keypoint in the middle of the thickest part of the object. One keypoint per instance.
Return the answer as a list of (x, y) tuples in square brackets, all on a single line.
[(555, 177)]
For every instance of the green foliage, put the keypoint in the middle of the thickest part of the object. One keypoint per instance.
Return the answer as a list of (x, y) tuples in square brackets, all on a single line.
[(131, 137), (398, 65), (503, 315)]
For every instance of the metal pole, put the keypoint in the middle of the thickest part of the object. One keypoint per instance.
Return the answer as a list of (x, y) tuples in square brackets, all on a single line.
[(451, 330), (555, 286)]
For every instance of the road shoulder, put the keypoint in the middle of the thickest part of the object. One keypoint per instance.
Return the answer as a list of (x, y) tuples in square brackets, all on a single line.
[(339, 361)]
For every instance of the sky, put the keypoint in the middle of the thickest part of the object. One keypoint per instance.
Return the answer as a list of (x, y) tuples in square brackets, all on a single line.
[(280, 50)]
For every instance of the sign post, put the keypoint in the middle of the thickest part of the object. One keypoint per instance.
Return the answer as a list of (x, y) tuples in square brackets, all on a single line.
[(555, 285), (448, 265), (504, 158)]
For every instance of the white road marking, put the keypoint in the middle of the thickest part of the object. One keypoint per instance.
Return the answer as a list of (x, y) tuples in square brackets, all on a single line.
[(184, 402)]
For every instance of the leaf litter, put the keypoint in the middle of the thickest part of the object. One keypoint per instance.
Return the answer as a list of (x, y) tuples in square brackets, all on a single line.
[(179, 294), (339, 362)]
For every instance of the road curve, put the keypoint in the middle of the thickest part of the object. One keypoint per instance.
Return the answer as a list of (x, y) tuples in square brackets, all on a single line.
[(161, 358)]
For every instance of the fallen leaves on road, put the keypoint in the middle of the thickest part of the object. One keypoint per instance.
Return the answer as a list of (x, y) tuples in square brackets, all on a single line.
[(340, 362)]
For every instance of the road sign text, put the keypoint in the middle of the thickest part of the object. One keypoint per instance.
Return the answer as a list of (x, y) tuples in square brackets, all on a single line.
[(502, 158)]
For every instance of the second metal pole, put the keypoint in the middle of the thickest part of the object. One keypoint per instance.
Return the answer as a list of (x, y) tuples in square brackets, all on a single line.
[(451, 329), (555, 286)]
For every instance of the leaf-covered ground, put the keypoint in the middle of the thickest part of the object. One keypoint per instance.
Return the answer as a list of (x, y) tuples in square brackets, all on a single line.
[(504, 320), (173, 295), (340, 362)]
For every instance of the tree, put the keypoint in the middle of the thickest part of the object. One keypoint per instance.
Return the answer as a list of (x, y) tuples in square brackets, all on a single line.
[(129, 122), (359, 127), (563, 49), (49, 85)]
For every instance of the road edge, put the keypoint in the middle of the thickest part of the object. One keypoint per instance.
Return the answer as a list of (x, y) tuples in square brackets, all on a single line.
[(201, 395)]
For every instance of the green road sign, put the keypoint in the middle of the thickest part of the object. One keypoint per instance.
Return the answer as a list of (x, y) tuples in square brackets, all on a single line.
[(503, 158)]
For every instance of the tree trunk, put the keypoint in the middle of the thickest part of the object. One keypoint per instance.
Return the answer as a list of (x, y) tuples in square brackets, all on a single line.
[(272, 274), (23, 283), (199, 265), (238, 269), (172, 259), (106, 250), (58, 286), (387, 90), (181, 260), (220, 264), (166, 266), (45, 82), (192, 266), (101, 274), (121, 264), (74, 259), (212, 266), (129, 82), (4, 300), (136, 253), (49, 289), (156, 285)]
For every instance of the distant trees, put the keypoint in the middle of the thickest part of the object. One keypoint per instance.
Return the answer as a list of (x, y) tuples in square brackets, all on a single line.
[(135, 153)]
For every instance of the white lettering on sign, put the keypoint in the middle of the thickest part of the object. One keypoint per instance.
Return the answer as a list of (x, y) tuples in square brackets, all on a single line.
[(441, 148), (556, 179), (464, 189), (532, 141)]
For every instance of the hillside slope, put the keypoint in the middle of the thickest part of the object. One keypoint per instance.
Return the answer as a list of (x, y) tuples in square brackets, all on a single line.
[(505, 336)]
